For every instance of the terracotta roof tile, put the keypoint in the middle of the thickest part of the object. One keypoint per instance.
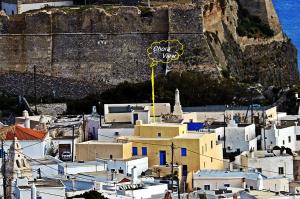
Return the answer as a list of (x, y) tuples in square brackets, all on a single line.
[(25, 134)]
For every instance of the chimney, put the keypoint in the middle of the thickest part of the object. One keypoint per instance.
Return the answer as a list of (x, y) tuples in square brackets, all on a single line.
[(134, 175), (230, 166), (25, 114), (139, 122), (27, 122), (244, 183), (252, 154), (33, 191)]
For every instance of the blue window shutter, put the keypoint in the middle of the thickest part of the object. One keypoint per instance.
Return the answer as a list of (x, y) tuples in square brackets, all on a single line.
[(144, 151), (134, 151), (183, 151)]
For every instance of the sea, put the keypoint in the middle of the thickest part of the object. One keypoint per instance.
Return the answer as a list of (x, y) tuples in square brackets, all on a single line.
[(289, 15)]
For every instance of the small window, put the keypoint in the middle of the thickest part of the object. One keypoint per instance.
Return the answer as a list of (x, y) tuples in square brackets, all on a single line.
[(211, 144), (259, 170), (226, 185), (158, 134), (280, 170), (206, 187), (283, 142), (219, 137), (202, 149), (134, 151), (121, 171), (183, 151), (144, 151), (117, 133), (18, 164), (289, 138), (110, 157), (297, 137), (211, 159), (271, 142)]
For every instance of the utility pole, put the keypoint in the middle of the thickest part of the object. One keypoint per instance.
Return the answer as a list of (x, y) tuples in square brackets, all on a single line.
[(172, 166), (251, 105), (73, 132), (3, 169), (224, 148), (39, 173), (34, 81)]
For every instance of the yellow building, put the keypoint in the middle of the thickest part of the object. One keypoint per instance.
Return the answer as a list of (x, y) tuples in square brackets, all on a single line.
[(90, 150), (192, 151)]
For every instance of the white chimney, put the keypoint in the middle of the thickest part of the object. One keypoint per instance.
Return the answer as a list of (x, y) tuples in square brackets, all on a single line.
[(252, 154), (25, 114), (33, 191), (27, 122), (231, 166), (134, 175)]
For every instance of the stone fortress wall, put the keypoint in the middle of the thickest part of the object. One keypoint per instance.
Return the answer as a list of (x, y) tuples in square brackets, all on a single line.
[(78, 52)]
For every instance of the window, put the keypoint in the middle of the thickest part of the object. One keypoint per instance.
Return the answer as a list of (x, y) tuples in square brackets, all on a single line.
[(271, 142), (280, 170), (219, 137), (211, 144), (211, 159), (298, 137), (144, 151), (289, 138), (121, 171), (158, 134), (259, 170), (202, 149), (110, 156), (283, 142), (206, 187), (183, 151), (226, 185), (134, 151)]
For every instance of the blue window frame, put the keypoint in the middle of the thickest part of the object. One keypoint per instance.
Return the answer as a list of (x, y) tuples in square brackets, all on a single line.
[(183, 151), (134, 151), (144, 151)]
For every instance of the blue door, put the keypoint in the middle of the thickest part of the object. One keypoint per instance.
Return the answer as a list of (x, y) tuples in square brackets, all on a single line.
[(135, 118), (162, 157)]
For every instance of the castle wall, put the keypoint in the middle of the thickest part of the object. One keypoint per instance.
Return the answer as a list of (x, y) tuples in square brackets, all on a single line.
[(100, 47)]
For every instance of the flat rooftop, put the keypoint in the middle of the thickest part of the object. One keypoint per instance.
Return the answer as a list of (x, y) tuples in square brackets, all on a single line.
[(101, 142), (45, 182), (190, 136), (162, 124)]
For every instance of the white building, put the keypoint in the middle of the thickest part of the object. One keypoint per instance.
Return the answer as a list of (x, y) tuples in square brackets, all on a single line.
[(213, 180), (113, 131), (39, 188), (269, 164), (288, 137), (70, 168), (125, 166), (92, 125), (12, 7), (238, 137), (35, 143), (129, 113), (48, 167)]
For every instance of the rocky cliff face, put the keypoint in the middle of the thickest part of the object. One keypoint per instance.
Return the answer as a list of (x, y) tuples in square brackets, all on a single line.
[(270, 60), (79, 51)]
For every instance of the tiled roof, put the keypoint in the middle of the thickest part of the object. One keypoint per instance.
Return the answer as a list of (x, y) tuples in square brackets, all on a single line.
[(25, 134)]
